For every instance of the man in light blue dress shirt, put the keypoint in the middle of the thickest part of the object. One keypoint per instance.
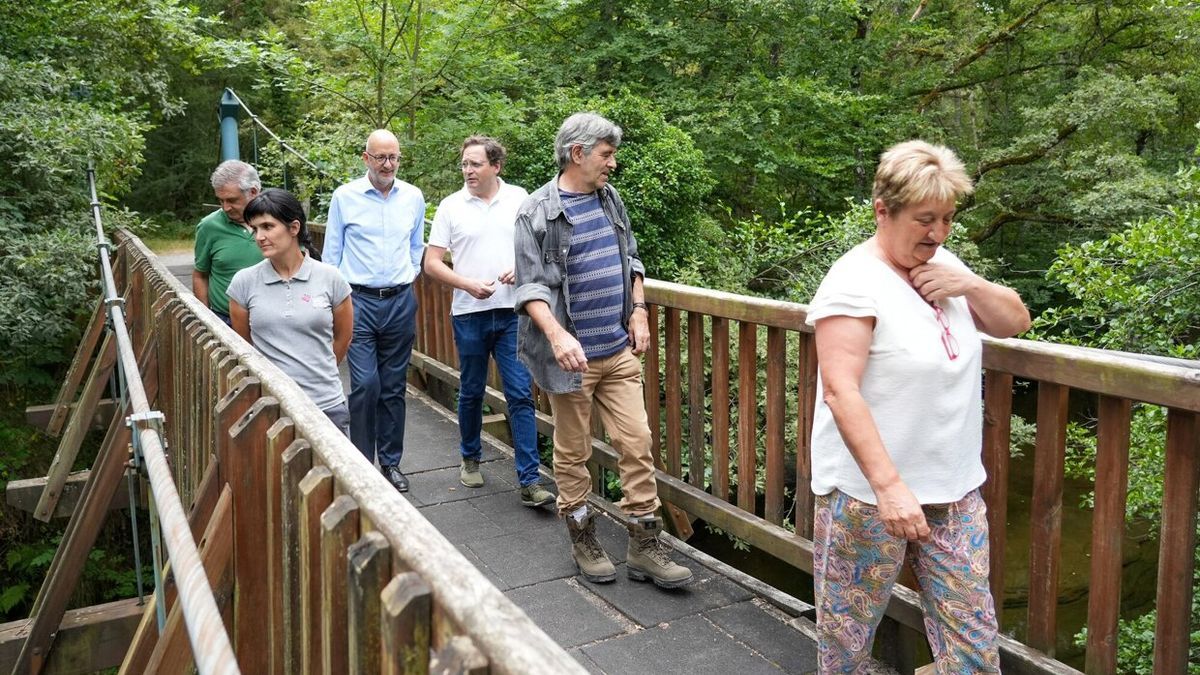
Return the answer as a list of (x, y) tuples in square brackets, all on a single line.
[(375, 237)]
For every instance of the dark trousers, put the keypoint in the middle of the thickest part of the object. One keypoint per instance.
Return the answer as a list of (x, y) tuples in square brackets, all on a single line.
[(479, 335), (384, 329)]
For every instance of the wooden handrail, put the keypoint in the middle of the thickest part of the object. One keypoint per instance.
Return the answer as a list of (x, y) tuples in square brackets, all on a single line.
[(696, 409), (256, 396)]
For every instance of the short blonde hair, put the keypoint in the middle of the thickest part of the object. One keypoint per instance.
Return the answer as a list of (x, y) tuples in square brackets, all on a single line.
[(914, 171)]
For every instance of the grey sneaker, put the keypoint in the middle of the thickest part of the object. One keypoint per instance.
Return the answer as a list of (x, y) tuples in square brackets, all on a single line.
[(468, 473), (536, 495)]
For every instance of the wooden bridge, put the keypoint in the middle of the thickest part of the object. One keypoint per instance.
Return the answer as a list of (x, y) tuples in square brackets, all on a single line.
[(289, 553)]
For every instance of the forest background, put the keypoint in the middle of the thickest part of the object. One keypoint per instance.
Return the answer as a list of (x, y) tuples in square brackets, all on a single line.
[(752, 131)]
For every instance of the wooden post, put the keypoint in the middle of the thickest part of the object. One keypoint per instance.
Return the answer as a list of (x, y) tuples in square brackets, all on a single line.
[(370, 567), (70, 385), (90, 513), (279, 437), (747, 415), (696, 389), (651, 388), (1108, 533), (245, 471), (1046, 515), (297, 461), (339, 529), (674, 381), (316, 494), (720, 407), (1177, 544), (806, 385), (997, 427), (776, 380), (78, 425), (406, 609)]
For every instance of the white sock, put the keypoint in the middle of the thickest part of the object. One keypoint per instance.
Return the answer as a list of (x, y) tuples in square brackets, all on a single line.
[(578, 514)]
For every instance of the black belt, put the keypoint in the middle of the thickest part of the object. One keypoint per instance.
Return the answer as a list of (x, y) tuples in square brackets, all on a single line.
[(379, 292)]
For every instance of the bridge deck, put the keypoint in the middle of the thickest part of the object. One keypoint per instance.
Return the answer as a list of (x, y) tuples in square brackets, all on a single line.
[(717, 624)]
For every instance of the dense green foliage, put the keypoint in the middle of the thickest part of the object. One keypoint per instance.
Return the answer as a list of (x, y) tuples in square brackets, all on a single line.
[(1134, 291)]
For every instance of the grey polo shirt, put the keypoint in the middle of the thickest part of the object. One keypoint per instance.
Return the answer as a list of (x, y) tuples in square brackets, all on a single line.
[(291, 323)]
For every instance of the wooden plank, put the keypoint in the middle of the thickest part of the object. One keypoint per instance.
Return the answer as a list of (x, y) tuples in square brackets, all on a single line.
[(70, 385), (776, 405), (696, 391), (651, 389), (40, 415), (297, 461), (806, 383), (23, 495), (316, 494), (339, 530), (1046, 516), (997, 427), (459, 655), (741, 308), (1177, 545), (105, 478), (88, 639), (406, 609), (673, 378), (747, 415), (370, 568), (1096, 370), (1108, 533), (720, 408), (244, 470), (77, 426), (279, 437), (173, 651)]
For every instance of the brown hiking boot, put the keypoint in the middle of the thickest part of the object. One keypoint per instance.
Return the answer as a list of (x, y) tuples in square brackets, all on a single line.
[(593, 564), (649, 557)]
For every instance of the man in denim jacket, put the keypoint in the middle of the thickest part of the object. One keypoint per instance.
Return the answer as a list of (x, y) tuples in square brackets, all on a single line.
[(583, 322)]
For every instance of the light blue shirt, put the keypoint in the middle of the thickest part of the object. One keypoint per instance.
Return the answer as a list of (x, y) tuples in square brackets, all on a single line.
[(372, 240)]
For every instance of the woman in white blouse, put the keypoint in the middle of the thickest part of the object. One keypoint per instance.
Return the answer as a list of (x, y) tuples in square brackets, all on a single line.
[(897, 436)]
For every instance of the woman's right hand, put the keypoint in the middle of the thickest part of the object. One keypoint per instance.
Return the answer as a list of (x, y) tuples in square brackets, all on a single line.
[(900, 512)]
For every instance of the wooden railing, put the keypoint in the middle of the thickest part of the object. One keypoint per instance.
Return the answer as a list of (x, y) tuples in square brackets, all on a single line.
[(320, 565), (726, 450)]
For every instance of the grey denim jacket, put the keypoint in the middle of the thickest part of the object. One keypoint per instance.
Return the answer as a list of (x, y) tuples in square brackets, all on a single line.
[(543, 238)]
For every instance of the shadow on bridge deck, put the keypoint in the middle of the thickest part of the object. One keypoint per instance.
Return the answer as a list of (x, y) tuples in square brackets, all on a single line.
[(716, 625)]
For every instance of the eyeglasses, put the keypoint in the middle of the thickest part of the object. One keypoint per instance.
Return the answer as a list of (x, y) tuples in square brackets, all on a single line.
[(384, 159), (948, 341)]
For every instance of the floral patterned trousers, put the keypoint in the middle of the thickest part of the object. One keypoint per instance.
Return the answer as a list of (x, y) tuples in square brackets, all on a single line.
[(856, 562)]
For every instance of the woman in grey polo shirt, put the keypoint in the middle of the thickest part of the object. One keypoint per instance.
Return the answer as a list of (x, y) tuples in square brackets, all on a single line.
[(293, 308)]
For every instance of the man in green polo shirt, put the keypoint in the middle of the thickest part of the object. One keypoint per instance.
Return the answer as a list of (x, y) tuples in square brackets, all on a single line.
[(224, 243)]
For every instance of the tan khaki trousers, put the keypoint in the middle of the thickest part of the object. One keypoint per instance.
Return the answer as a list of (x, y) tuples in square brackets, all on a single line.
[(614, 385)]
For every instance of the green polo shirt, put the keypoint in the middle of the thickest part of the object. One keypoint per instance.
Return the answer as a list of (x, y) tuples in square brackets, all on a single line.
[(222, 248)]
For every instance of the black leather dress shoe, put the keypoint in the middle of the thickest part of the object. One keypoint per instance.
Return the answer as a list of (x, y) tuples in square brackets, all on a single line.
[(395, 477)]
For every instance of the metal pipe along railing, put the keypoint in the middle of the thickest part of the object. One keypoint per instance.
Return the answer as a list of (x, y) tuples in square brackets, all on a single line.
[(211, 647)]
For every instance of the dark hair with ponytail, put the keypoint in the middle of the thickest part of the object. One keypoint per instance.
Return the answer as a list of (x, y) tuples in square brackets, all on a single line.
[(284, 207)]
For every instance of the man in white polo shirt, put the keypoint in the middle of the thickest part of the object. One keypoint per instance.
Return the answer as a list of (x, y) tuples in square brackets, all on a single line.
[(476, 225)]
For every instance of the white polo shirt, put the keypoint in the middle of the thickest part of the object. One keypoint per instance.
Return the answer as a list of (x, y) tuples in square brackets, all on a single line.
[(479, 236)]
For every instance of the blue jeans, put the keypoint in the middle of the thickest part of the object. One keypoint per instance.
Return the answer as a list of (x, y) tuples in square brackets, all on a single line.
[(478, 335), (380, 350)]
